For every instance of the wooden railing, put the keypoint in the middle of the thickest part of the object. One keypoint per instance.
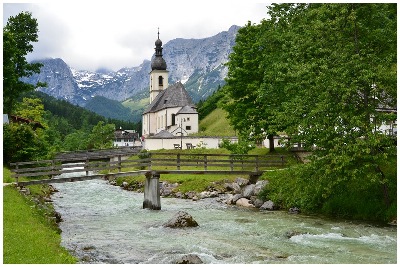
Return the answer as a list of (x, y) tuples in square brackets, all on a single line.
[(162, 163)]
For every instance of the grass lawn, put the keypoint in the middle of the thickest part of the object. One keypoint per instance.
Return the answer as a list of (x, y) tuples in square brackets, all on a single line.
[(28, 237)]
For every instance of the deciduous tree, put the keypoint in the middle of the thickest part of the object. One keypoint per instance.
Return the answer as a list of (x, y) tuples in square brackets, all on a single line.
[(18, 35)]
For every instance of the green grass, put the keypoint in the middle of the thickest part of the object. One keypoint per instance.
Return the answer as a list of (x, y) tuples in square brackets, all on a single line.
[(215, 124), (28, 236), (7, 176)]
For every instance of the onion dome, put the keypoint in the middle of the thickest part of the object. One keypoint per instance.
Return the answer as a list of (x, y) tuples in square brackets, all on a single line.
[(158, 62)]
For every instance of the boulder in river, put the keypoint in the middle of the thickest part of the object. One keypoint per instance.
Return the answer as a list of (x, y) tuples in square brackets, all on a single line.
[(268, 205), (244, 202), (181, 219), (189, 259)]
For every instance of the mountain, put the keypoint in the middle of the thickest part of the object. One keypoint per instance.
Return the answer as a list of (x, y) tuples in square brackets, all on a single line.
[(109, 108), (198, 63)]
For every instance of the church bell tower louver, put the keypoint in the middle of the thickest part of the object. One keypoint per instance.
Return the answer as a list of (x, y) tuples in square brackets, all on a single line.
[(159, 73)]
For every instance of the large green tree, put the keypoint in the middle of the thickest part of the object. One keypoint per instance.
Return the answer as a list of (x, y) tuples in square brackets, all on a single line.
[(245, 76), (18, 35), (322, 74)]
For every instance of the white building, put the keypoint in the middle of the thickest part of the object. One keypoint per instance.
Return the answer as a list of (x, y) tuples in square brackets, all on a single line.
[(171, 109), (125, 138)]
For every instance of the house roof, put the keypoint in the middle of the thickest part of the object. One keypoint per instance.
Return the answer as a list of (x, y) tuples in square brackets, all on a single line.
[(174, 96), (18, 119), (125, 134)]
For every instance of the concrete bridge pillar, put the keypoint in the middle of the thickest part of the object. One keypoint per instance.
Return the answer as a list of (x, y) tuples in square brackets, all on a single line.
[(152, 191)]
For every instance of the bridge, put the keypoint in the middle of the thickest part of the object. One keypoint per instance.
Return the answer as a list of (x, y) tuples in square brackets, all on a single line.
[(107, 164)]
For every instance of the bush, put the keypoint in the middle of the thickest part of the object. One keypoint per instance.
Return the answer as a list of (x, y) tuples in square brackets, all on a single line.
[(349, 197), (242, 147), (22, 143)]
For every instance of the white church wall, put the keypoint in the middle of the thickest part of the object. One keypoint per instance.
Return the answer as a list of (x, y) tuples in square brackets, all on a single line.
[(189, 123), (197, 142)]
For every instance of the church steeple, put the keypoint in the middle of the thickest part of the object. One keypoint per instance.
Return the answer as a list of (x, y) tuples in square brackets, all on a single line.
[(159, 73), (158, 62)]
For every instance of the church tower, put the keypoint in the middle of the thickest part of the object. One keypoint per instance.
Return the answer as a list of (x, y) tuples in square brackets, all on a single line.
[(159, 73)]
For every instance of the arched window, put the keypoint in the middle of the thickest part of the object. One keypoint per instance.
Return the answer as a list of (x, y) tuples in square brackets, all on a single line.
[(160, 80)]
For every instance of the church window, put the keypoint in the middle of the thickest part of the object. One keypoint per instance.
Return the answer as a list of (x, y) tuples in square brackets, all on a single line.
[(173, 119), (188, 127), (160, 80)]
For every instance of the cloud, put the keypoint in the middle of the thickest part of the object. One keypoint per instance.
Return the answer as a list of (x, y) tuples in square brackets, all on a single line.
[(116, 34)]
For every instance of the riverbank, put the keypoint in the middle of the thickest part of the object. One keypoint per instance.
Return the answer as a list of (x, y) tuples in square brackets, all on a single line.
[(230, 191), (30, 231)]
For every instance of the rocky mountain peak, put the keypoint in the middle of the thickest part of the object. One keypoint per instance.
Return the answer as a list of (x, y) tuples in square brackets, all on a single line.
[(198, 63)]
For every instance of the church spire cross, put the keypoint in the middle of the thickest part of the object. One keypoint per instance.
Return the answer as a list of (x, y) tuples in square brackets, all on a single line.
[(158, 33)]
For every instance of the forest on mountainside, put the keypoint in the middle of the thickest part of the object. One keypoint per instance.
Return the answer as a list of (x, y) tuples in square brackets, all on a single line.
[(65, 127)]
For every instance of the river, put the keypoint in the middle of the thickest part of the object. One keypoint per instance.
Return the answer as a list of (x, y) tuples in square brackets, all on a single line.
[(106, 224)]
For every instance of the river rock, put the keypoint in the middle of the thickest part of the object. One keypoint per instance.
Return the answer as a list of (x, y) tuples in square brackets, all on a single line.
[(294, 210), (227, 199), (241, 181), (268, 205), (181, 219), (179, 195), (258, 203), (189, 259), (259, 186), (190, 194), (291, 233), (228, 186), (248, 190), (25, 191), (244, 202), (236, 198), (236, 188), (204, 194)]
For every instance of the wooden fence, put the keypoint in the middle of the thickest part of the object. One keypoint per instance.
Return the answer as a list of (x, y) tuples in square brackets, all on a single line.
[(98, 166)]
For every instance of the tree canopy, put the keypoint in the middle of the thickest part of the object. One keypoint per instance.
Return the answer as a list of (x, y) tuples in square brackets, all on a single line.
[(321, 74), (18, 35)]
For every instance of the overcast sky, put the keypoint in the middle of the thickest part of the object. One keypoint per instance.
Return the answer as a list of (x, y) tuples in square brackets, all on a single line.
[(114, 34)]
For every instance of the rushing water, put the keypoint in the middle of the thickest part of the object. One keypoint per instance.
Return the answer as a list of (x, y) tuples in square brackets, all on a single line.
[(105, 224)]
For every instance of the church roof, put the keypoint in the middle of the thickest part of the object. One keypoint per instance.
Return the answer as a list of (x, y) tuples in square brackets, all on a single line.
[(174, 96), (187, 110), (164, 134)]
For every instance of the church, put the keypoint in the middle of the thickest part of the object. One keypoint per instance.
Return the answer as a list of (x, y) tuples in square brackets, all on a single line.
[(171, 111)]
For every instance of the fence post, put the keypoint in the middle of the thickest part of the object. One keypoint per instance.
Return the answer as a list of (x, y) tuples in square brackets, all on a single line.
[(178, 161), (283, 162), (205, 162), (256, 163), (16, 172), (119, 163), (52, 168), (86, 165), (231, 157)]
